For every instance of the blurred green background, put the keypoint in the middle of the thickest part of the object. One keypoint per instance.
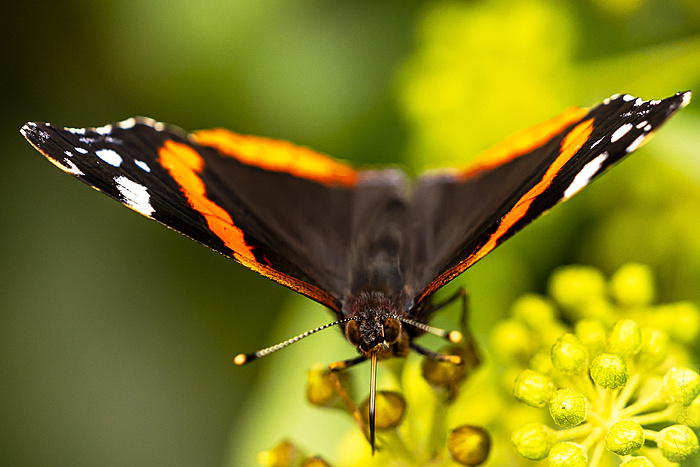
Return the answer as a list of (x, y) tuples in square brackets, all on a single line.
[(117, 335)]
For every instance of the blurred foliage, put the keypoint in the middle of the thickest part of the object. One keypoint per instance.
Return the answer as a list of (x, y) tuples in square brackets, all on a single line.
[(118, 334)]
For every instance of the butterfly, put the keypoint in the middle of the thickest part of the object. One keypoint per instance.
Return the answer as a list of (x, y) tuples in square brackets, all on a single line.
[(371, 245)]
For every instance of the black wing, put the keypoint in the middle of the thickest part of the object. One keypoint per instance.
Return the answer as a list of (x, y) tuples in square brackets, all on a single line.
[(281, 210), (467, 213)]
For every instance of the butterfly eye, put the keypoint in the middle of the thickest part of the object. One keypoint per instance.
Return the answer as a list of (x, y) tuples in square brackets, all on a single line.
[(352, 333), (392, 330)]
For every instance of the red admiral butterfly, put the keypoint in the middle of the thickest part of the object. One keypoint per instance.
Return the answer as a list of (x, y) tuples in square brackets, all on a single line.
[(369, 244)]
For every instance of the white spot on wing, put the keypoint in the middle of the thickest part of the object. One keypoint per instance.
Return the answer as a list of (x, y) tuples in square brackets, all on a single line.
[(686, 98), (597, 143), (627, 98), (636, 143), (76, 131), (142, 165), (584, 177), (128, 123), (81, 150), (641, 125), (72, 168), (104, 130), (647, 128), (134, 195), (109, 156), (148, 121), (620, 132)]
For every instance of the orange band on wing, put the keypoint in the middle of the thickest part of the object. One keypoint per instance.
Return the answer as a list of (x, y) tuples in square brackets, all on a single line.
[(523, 142), (278, 156), (569, 147), (184, 164)]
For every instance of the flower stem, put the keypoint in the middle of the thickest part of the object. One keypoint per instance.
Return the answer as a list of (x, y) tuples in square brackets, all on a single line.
[(652, 435), (571, 433), (597, 455), (640, 406), (654, 417), (593, 438), (626, 393), (397, 445), (437, 431)]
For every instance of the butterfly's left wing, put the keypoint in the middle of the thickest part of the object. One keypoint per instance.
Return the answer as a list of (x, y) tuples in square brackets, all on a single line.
[(468, 212), (276, 208)]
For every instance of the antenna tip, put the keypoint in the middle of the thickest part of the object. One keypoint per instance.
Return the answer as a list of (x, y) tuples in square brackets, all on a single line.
[(455, 359), (240, 359), (455, 337)]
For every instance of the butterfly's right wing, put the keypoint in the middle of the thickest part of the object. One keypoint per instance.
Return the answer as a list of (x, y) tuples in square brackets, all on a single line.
[(467, 213)]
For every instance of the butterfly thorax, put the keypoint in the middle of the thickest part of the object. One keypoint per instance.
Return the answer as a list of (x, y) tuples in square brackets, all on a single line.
[(375, 328)]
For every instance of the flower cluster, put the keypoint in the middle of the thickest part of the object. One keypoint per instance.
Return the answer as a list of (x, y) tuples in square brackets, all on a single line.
[(617, 381), (596, 368)]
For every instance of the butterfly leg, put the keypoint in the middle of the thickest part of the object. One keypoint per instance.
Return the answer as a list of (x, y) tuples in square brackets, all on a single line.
[(345, 364), (437, 356), (461, 293), (336, 367), (471, 351)]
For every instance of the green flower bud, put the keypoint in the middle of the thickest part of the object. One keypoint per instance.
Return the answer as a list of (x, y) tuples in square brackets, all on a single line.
[(510, 339), (445, 374), (320, 390), (567, 454), (469, 445), (609, 371), (574, 286), (593, 334), (388, 409), (653, 349), (682, 385), (625, 338), (624, 437), (599, 308), (533, 388), (534, 310), (678, 443), (637, 462), (569, 354), (633, 285), (542, 363), (680, 320), (532, 441), (567, 408)]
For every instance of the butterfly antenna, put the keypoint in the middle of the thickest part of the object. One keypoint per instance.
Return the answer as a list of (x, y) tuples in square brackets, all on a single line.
[(453, 336), (372, 398), (242, 359)]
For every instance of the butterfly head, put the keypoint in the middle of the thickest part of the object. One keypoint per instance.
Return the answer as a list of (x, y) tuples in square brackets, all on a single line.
[(374, 332), (375, 326)]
